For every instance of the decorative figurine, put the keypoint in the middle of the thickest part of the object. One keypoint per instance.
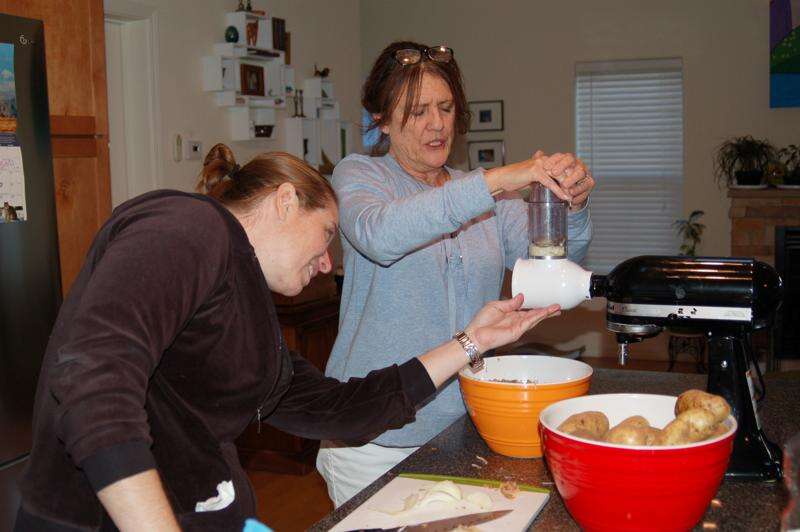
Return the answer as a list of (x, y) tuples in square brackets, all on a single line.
[(9, 213), (302, 112), (231, 34), (324, 73), (252, 33), (295, 102), (240, 7), (249, 6)]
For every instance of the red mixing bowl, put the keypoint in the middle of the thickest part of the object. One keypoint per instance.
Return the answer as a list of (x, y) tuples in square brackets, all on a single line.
[(609, 487)]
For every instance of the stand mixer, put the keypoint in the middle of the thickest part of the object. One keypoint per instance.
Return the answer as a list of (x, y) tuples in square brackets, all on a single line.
[(726, 299)]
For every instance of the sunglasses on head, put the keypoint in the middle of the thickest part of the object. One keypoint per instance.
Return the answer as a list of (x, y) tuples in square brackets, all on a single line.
[(412, 56)]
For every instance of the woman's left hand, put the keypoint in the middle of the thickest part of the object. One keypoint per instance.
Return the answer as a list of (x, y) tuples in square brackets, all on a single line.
[(572, 175), (501, 322), (497, 323)]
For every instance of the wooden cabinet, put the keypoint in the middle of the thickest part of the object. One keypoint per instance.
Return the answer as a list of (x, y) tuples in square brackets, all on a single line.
[(310, 329), (76, 88)]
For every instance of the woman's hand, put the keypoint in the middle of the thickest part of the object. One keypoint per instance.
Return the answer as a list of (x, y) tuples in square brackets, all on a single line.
[(519, 175), (575, 179), (497, 323), (501, 322), (564, 174)]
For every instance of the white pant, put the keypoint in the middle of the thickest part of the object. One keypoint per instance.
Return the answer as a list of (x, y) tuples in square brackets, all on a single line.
[(348, 470)]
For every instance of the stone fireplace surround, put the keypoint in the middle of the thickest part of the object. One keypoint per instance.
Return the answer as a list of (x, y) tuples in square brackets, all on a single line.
[(754, 216)]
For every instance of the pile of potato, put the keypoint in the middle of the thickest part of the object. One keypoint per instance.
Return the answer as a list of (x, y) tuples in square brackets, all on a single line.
[(699, 416)]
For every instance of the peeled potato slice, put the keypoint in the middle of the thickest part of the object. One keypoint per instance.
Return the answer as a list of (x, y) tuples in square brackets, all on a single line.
[(479, 499)]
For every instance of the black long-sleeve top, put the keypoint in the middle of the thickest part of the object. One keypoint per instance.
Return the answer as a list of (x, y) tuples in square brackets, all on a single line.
[(165, 348)]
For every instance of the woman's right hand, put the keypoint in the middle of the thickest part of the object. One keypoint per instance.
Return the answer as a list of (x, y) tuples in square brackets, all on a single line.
[(501, 322), (538, 169)]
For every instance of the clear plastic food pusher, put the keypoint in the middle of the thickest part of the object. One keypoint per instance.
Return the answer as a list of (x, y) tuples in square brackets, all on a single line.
[(547, 227)]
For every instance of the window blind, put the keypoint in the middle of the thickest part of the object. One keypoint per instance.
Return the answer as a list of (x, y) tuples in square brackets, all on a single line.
[(629, 131)]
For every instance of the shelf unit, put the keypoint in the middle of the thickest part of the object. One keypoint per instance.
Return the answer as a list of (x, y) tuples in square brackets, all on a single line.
[(302, 139), (310, 138), (319, 136), (250, 117)]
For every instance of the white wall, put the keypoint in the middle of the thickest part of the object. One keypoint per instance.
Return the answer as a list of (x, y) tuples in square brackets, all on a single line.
[(525, 52), (323, 32)]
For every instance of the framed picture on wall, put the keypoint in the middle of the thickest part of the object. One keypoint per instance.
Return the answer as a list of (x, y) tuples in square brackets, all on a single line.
[(486, 115), (252, 80), (486, 154)]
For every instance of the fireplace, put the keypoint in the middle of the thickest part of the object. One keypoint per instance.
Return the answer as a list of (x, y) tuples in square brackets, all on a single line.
[(787, 262), (764, 226)]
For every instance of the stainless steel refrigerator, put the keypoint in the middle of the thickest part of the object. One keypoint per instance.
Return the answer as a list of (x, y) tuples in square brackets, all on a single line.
[(30, 289)]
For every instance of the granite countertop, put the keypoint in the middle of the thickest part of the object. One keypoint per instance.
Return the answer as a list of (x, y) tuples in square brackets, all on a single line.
[(739, 505)]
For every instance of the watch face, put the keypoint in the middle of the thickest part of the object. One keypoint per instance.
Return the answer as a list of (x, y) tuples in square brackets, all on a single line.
[(477, 365)]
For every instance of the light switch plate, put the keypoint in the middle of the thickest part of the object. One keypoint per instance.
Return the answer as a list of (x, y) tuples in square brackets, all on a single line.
[(192, 149), (177, 147)]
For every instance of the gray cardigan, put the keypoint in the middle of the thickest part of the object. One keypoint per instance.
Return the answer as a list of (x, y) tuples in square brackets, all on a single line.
[(419, 263)]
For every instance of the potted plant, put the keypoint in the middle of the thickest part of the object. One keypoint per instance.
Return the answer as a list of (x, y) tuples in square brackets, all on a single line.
[(691, 232), (741, 161), (790, 157)]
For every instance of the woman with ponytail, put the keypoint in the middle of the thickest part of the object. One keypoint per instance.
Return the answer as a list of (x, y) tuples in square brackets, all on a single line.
[(168, 345)]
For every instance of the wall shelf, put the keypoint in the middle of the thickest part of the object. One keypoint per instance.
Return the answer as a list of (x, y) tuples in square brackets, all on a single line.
[(260, 25), (252, 53), (319, 137), (310, 138), (250, 116), (252, 123)]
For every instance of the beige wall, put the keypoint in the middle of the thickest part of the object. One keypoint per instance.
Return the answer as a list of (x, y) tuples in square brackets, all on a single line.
[(524, 53), (323, 32)]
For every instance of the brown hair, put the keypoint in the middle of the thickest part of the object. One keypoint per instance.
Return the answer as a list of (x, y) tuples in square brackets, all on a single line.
[(389, 80), (235, 186)]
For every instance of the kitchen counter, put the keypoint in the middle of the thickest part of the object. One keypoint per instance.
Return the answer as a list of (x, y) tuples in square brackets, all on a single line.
[(739, 505)]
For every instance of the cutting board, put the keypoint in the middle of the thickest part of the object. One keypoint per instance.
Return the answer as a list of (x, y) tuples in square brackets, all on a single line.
[(373, 513)]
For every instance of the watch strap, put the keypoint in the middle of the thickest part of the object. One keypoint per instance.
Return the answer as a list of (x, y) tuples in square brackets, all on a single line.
[(473, 353)]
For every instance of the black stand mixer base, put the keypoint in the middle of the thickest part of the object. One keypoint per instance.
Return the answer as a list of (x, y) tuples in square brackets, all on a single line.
[(753, 457)]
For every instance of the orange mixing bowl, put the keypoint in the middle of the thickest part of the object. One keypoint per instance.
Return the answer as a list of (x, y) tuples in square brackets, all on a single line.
[(504, 399)]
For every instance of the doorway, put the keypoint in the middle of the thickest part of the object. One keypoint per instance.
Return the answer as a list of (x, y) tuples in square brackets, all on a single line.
[(133, 115)]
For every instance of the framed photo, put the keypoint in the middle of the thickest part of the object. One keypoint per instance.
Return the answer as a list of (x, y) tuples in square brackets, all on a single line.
[(486, 115), (486, 154), (252, 80)]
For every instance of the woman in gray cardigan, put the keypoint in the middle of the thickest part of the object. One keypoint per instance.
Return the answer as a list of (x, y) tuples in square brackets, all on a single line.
[(425, 245)]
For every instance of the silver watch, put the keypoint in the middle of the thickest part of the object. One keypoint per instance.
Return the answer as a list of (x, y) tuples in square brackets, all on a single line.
[(473, 354)]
